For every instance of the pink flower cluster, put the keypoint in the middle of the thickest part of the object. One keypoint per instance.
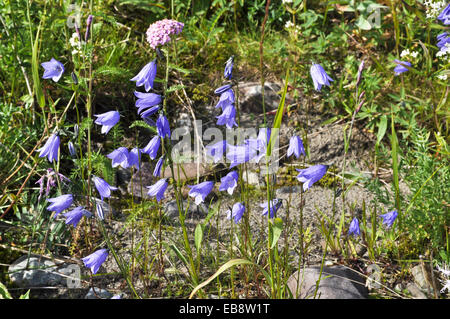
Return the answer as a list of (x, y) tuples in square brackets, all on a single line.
[(158, 32)]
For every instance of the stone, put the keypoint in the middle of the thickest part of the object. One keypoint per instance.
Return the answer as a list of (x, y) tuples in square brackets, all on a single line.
[(415, 291), (421, 275), (194, 211), (98, 293), (337, 282), (250, 96), (187, 171), (35, 272), (251, 178)]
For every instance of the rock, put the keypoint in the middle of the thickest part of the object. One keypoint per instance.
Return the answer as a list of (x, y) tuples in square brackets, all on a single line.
[(187, 171), (253, 178), (289, 189), (98, 293), (194, 211), (415, 291), (337, 282), (422, 278), (250, 97), (36, 272)]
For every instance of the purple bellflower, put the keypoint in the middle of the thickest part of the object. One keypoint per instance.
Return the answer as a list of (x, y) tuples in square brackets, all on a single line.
[(200, 191), (354, 228), (444, 16), (99, 211), (150, 111), (240, 154), (311, 175), (108, 120), (162, 126), (119, 157), (74, 216), (399, 69), (389, 218), (134, 158), (442, 39), (223, 89), (227, 117), (229, 68), (229, 182), (226, 97), (236, 213), (295, 147), (319, 76), (53, 69), (95, 260), (50, 149), (146, 100), (157, 190), (217, 150), (275, 204), (146, 76), (103, 188), (159, 164), (60, 203), (152, 147)]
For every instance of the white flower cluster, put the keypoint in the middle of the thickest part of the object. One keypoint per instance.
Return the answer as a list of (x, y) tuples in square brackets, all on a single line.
[(442, 77), (289, 25), (434, 8), (287, 1), (445, 271), (412, 55), (76, 44), (444, 53)]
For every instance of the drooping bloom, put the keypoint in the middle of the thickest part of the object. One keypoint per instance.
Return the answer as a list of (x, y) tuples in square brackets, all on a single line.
[(400, 68), (223, 89), (146, 76), (50, 149), (442, 39), (53, 69), (119, 157), (229, 182), (95, 260), (236, 213), (108, 120), (200, 191), (74, 216), (157, 190), (354, 228), (152, 147), (72, 149), (162, 126), (150, 111), (99, 211), (444, 16), (229, 68), (146, 100), (389, 218), (51, 181), (134, 158), (275, 204), (227, 117), (159, 32), (319, 76), (226, 97), (296, 147), (310, 175), (240, 154), (103, 188), (60, 203), (159, 164), (217, 150)]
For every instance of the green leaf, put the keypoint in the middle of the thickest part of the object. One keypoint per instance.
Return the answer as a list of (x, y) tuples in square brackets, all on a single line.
[(4, 294), (382, 128), (140, 123), (198, 237), (25, 295), (277, 224), (363, 24)]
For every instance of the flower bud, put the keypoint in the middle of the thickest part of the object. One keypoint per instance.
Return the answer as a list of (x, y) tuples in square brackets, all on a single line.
[(72, 149), (74, 78), (360, 70), (88, 27)]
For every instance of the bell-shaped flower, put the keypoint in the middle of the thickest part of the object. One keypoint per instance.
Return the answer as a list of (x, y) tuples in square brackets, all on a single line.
[(103, 188), (223, 89), (74, 216), (229, 182), (50, 148), (95, 260), (149, 111), (319, 76), (146, 100), (157, 190), (400, 68), (354, 228), (227, 117), (99, 210), (442, 39), (119, 157), (152, 147), (60, 203), (310, 175), (134, 158), (444, 16), (296, 147), (226, 97), (200, 191), (159, 164), (217, 150), (236, 213), (275, 204), (146, 76), (229, 68), (162, 126), (389, 218), (53, 69), (108, 120), (240, 154)]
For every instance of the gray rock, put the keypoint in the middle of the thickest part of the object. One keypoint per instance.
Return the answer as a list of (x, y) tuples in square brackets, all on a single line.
[(250, 96), (415, 291), (98, 293), (35, 272), (422, 278), (337, 282), (251, 178), (194, 211)]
